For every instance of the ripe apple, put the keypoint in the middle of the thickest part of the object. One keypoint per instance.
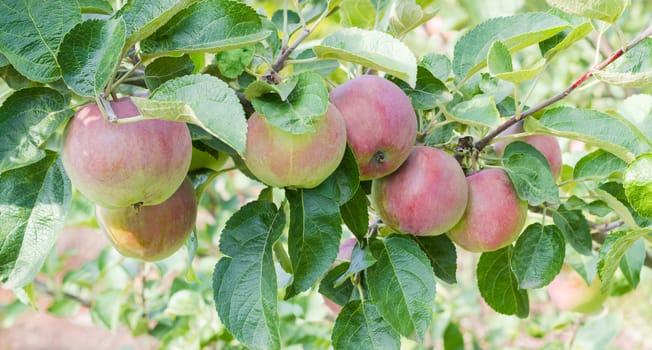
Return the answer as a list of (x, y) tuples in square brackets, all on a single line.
[(155, 232), (119, 165), (282, 159), (381, 124), (494, 214), (427, 195), (546, 144), (568, 291)]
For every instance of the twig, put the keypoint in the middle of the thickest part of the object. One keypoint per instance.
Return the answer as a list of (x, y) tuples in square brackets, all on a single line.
[(48, 291), (482, 143)]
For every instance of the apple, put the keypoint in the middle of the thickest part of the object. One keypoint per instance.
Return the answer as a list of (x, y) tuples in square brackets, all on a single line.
[(202, 159), (427, 195), (381, 125), (546, 144), (568, 291), (494, 215), (151, 233), (119, 165), (281, 159)]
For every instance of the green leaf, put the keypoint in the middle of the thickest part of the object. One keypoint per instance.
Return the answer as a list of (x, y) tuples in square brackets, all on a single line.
[(523, 75), (293, 21), (321, 67), (637, 109), (359, 326), (96, 6), (232, 63), (215, 106), (439, 65), (479, 111), (428, 92), (313, 238), (538, 256), (244, 282), (499, 60), (340, 294), (13, 79), (633, 69), (516, 32), (361, 259), (611, 133), (34, 201), (598, 164), (402, 284), (612, 251), (303, 107), (31, 32), (604, 10), (632, 262), (530, 173), (90, 54), (344, 182), (207, 26), (575, 228), (638, 184), (355, 214), (499, 286), (144, 17), (442, 255), (106, 308), (409, 15), (28, 118), (185, 302), (574, 35), (453, 338), (167, 68), (64, 307), (371, 49), (585, 265), (621, 209), (616, 191)]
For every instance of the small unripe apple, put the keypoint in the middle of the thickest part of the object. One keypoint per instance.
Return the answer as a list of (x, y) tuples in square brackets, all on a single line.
[(546, 144), (119, 165), (427, 195), (151, 233), (381, 124), (570, 292), (494, 215), (282, 159)]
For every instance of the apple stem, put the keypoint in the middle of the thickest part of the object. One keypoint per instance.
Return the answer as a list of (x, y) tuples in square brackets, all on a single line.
[(482, 143), (106, 109), (282, 256)]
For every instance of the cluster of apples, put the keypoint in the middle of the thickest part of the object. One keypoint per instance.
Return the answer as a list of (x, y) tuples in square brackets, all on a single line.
[(135, 173)]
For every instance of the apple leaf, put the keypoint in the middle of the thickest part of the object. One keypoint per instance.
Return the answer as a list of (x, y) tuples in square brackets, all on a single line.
[(530, 173), (144, 17), (244, 282), (428, 91), (612, 251), (623, 210), (604, 10), (90, 54), (402, 284), (167, 68), (575, 228), (479, 111), (438, 65), (29, 117), (499, 286), (3, 60), (360, 326), (107, 307), (569, 38), (632, 262), (215, 107), (633, 69), (538, 256), (207, 26), (499, 60), (355, 214), (313, 238), (523, 75), (598, 164), (453, 338), (442, 255), (372, 49), (585, 265), (304, 106), (361, 259), (409, 15), (342, 293), (31, 32), (344, 182), (232, 63), (611, 133), (516, 32), (638, 184), (637, 109), (321, 67), (95, 6), (34, 201)]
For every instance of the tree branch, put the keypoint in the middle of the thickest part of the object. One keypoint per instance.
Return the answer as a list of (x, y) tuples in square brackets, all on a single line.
[(481, 144)]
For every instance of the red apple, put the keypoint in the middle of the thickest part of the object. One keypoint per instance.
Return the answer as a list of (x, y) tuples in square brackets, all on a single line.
[(155, 232), (494, 215), (427, 195), (546, 144), (381, 124), (118, 165), (282, 159), (568, 291)]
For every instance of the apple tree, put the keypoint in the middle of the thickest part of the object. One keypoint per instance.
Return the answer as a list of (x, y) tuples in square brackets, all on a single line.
[(375, 123)]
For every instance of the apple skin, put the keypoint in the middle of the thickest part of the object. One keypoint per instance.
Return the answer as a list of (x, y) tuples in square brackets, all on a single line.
[(381, 124), (151, 233), (118, 165), (282, 159), (568, 291), (494, 215), (427, 195), (546, 144)]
